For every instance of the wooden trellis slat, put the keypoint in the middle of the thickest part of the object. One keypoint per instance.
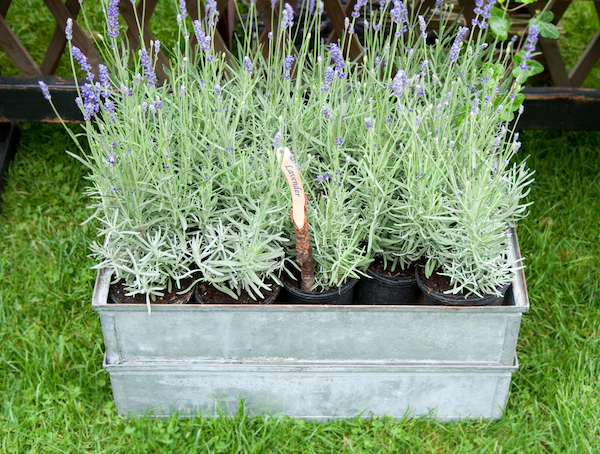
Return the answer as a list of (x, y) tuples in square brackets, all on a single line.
[(80, 39), (588, 59), (13, 47), (58, 41)]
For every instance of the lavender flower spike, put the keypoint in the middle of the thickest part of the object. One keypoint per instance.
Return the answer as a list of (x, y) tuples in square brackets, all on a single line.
[(248, 64), (113, 18), (336, 54), (287, 19), (359, 4), (532, 39), (45, 90), (456, 45), (182, 9), (423, 27), (368, 123), (81, 59), (211, 12), (69, 29), (104, 80), (147, 65), (277, 139)]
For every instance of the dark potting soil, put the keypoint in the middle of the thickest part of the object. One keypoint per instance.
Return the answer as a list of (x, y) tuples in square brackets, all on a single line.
[(118, 293), (377, 266), (210, 295), (439, 283)]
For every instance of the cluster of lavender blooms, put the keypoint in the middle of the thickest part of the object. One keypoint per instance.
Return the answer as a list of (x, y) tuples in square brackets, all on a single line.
[(402, 151)]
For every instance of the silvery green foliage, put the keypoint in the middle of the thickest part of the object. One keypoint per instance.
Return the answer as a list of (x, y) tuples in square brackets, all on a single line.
[(174, 164), (405, 152)]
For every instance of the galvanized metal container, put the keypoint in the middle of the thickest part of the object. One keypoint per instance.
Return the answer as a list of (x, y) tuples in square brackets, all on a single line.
[(313, 361)]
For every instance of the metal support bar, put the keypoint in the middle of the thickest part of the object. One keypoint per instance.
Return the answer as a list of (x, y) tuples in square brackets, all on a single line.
[(9, 139)]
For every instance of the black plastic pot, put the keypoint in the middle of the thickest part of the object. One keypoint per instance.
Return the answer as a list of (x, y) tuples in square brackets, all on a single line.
[(434, 298), (269, 300), (386, 290), (339, 296)]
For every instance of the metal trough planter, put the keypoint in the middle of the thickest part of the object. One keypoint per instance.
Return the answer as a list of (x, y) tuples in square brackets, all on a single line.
[(315, 362)]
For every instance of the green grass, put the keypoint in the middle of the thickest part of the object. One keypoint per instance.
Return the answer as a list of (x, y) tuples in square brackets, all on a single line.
[(54, 396)]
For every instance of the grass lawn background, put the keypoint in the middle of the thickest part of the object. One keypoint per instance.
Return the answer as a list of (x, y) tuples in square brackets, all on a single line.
[(55, 397)]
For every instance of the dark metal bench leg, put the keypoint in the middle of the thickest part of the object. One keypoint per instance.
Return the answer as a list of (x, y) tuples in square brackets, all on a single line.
[(9, 139)]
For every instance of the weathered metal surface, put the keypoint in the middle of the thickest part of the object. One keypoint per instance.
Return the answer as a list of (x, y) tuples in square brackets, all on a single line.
[(313, 361), (312, 391), (429, 334)]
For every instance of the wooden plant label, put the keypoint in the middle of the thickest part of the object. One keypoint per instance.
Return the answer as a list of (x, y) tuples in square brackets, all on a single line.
[(304, 255), (292, 175)]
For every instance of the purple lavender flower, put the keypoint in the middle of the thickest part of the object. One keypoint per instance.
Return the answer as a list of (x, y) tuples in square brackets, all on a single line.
[(182, 9), (348, 160), (357, 7), (326, 113), (484, 11), (273, 3), (368, 123), (287, 17), (423, 27), (329, 74), (288, 62), (336, 55), (400, 82), (111, 158), (248, 64), (69, 29), (339, 141), (326, 176), (113, 18), (399, 16), (203, 38), (109, 107), (211, 12), (218, 90), (104, 81), (81, 59), (311, 6), (147, 65), (417, 120), (45, 90), (89, 101), (277, 139), (126, 91), (456, 45), (532, 39), (182, 90), (144, 107), (319, 178)]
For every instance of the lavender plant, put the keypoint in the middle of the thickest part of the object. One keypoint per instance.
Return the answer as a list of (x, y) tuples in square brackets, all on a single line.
[(405, 151), (182, 182)]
